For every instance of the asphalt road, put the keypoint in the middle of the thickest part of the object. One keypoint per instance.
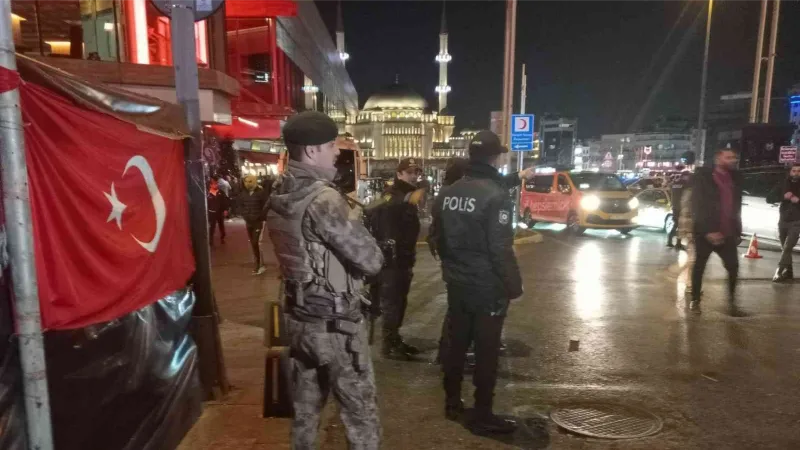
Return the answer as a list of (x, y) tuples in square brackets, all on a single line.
[(717, 382)]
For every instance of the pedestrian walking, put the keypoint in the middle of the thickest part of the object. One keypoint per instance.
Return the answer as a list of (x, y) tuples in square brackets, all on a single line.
[(394, 222), (323, 258), (250, 204), (217, 203), (475, 244), (676, 189), (717, 213), (788, 194), (686, 232)]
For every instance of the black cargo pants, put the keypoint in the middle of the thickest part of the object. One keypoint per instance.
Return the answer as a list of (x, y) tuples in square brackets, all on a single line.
[(393, 286), (254, 228), (465, 325)]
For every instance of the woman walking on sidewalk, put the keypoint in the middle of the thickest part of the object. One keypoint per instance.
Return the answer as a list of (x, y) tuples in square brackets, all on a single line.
[(788, 194)]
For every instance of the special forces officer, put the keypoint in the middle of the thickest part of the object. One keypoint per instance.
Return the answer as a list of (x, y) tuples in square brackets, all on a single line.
[(394, 221), (323, 257), (482, 276)]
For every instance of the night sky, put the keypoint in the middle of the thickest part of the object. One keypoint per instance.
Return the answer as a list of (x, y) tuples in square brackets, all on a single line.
[(597, 60)]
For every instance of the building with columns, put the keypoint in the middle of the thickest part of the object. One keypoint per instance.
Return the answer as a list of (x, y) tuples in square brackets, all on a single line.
[(397, 123)]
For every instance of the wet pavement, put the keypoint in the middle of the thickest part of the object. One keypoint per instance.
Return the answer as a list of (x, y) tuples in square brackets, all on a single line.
[(717, 382)]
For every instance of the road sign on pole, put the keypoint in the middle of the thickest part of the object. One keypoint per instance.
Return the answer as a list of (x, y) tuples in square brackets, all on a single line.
[(521, 132), (788, 154)]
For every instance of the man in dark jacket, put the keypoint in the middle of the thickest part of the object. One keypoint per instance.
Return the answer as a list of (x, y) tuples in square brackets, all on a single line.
[(250, 205), (475, 243), (717, 212), (394, 220), (217, 203), (788, 194)]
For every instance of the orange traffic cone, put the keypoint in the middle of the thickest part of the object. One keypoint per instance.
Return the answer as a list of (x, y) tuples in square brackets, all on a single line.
[(752, 250)]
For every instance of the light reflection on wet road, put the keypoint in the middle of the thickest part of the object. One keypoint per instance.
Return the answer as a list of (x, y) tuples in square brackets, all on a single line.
[(718, 382)]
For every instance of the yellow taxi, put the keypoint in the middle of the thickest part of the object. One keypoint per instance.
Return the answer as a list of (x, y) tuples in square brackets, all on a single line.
[(580, 200)]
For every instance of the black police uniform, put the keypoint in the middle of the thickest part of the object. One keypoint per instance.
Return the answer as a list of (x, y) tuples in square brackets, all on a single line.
[(475, 243), (395, 220), (676, 194)]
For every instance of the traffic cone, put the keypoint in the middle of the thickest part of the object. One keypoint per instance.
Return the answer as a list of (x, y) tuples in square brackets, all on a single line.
[(752, 250)]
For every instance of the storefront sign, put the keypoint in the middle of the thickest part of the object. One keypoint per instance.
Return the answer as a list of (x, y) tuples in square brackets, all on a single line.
[(788, 154), (202, 8)]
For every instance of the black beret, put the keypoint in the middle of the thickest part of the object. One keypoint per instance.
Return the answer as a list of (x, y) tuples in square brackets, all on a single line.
[(309, 128)]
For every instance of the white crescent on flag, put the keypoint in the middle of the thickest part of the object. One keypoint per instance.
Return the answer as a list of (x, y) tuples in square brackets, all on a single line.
[(160, 207)]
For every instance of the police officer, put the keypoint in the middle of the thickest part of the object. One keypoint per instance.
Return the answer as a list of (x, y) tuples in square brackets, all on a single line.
[(394, 221), (323, 256), (480, 269)]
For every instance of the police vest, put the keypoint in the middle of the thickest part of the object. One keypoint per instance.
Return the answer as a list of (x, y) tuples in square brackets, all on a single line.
[(310, 266)]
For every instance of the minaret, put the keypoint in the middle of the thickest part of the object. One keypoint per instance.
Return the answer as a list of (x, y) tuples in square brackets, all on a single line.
[(443, 58), (340, 33)]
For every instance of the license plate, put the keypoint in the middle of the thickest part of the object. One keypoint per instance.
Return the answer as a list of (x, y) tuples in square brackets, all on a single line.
[(618, 216)]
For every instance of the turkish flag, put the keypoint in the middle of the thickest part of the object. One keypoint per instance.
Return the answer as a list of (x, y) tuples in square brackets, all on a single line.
[(110, 213)]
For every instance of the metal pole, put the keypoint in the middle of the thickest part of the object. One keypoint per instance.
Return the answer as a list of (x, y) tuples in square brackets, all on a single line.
[(508, 68), (39, 38), (762, 24), (773, 40), (206, 331), (19, 234), (116, 31), (701, 116), (523, 95)]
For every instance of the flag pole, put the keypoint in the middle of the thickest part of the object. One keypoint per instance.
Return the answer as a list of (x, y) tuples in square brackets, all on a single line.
[(204, 316), (19, 235)]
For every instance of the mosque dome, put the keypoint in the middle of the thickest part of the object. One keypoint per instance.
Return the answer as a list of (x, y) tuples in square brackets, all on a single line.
[(396, 96)]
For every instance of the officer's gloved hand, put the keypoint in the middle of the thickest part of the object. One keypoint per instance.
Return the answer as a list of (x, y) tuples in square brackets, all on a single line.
[(433, 248)]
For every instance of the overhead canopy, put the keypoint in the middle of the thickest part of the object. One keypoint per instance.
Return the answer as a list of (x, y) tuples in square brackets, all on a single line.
[(255, 9), (259, 157), (146, 113), (250, 128)]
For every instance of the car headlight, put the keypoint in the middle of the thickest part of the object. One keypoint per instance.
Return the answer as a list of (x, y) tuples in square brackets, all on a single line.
[(634, 203), (590, 202)]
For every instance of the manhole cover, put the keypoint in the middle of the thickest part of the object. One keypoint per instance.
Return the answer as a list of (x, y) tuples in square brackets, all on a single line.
[(607, 421)]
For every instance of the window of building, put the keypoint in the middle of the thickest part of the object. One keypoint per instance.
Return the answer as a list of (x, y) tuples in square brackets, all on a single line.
[(102, 30)]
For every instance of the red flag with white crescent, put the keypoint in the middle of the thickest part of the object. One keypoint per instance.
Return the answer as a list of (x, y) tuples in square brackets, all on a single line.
[(110, 213)]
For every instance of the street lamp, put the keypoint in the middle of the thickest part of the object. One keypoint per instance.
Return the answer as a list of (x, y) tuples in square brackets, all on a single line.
[(701, 116)]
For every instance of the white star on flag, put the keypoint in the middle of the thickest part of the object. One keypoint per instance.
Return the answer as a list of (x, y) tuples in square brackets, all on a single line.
[(117, 207)]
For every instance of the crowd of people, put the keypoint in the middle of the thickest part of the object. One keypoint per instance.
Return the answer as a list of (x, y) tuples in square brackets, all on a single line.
[(708, 209), (228, 197)]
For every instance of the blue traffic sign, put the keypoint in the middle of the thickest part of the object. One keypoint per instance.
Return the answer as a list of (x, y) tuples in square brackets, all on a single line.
[(521, 132)]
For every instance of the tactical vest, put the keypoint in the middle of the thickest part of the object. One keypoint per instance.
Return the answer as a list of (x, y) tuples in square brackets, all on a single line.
[(310, 268)]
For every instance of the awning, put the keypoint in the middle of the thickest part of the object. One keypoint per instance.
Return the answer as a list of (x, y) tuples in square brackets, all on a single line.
[(259, 157), (254, 9), (249, 128)]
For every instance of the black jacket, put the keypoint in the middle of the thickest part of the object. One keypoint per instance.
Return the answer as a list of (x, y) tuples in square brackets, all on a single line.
[(790, 212), (395, 218), (251, 204), (706, 202), (217, 204), (475, 238)]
